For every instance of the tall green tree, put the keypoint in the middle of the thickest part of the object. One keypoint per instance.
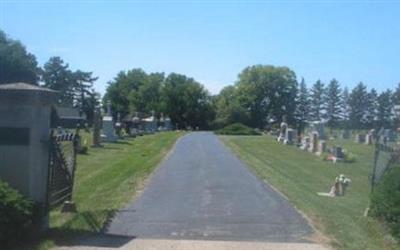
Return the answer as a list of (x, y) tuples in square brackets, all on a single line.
[(345, 107), (333, 103), (371, 109), (317, 99), (267, 92), (396, 95), (85, 97), (228, 109), (302, 105), (56, 75), (16, 64), (147, 97), (384, 109), (358, 102), (187, 103), (121, 91)]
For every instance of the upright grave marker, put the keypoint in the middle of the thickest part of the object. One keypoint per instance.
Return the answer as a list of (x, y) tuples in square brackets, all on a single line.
[(108, 126)]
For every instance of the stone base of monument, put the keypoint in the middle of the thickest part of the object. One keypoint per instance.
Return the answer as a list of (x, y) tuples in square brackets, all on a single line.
[(69, 207)]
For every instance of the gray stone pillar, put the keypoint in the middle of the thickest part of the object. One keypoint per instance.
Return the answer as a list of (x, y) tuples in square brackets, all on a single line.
[(25, 112)]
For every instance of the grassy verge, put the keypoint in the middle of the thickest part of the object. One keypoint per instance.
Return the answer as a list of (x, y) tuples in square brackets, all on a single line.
[(106, 179), (300, 175)]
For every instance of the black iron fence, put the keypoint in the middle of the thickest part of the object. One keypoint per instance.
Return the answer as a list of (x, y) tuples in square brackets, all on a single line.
[(62, 164)]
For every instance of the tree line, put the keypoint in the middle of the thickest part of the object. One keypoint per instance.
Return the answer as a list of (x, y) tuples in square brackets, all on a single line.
[(264, 94), (261, 97), (75, 87)]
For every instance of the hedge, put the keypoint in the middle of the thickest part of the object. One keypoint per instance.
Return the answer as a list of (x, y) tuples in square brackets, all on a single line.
[(237, 129), (17, 215)]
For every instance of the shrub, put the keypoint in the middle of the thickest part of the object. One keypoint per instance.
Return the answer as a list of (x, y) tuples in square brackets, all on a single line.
[(16, 215), (324, 156), (237, 129), (349, 157), (385, 200)]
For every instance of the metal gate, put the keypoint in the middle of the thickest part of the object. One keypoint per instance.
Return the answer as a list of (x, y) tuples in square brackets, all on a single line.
[(62, 163)]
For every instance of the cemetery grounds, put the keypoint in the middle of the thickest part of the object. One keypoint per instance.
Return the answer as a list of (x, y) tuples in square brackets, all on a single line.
[(106, 179), (300, 175)]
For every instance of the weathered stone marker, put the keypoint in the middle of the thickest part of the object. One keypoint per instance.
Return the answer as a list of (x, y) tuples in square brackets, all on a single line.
[(314, 142), (108, 126), (289, 136), (368, 139), (96, 127), (338, 152), (321, 147), (25, 112), (360, 138)]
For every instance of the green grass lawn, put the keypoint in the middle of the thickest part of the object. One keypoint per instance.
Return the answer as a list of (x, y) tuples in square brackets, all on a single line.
[(300, 175), (106, 179)]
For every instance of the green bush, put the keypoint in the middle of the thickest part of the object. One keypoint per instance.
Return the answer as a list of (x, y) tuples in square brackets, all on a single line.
[(385, 200), (349, 157), (16, 215), (324, 156), (237, 129)]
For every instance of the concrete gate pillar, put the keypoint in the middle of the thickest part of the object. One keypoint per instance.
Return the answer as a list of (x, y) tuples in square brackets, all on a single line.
[(25, 112)]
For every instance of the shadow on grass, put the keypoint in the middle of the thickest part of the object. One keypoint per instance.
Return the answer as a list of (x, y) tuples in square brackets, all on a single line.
[(70, 237), (85, 228), (95, 236)]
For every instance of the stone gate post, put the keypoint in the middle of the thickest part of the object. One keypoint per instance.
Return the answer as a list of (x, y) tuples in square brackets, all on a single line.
[(25, 112)]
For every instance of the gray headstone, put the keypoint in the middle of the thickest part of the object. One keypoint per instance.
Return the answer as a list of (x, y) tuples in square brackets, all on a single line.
[(338, 152), (321, 147), (313, 142), (289, 136)]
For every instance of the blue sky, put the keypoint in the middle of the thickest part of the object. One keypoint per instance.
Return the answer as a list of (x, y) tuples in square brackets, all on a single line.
[(213, 41)]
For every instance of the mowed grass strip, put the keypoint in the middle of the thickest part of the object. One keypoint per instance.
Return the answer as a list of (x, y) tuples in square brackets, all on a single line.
[(300, 175), (105, 180)]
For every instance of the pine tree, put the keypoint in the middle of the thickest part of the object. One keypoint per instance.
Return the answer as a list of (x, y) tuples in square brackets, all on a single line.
[(384, 109), (358, 101), (345, 107), (84, 93), (396, 95), (333, 103), (317, 101), (302, 105), (57, 75), (371, 109)]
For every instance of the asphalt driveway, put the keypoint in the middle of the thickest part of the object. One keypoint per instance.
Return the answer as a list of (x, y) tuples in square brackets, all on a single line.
[(202, 191)]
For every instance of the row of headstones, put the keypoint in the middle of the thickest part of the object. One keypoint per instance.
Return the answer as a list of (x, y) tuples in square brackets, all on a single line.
[(388, 135), (112, 130), (310, 143)]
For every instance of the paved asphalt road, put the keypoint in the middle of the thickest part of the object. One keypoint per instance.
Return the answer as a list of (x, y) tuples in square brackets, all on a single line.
[(202, 191)]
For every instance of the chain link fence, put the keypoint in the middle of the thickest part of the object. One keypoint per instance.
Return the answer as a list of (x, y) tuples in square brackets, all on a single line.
[(387, 154)]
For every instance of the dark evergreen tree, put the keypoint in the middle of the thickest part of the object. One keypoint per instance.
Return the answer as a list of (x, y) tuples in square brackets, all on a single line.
[(84, 95), (317, 101), (345, 107), (396, 95), (371, 109), (384, 109), (302, 105), (333, 103), (57, 75), (358, 102)]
